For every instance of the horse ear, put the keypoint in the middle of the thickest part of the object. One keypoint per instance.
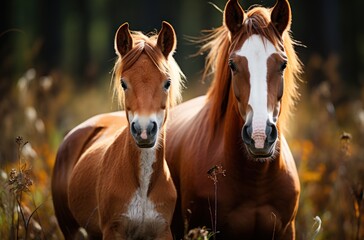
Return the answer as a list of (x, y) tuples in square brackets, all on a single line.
[(167, 39), (233, 16), (281, 15), (123, 40)]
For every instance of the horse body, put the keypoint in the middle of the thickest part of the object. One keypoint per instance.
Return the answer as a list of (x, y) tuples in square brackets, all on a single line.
[(256, 200), (110, 175), (123, 174), (239, 130)]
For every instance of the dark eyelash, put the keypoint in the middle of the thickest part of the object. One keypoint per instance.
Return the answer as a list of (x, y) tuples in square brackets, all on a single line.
[(123, 84), (167, 85), (283, 66), (232, 65)]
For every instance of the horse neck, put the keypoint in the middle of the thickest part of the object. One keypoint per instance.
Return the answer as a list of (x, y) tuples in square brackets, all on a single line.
[(149, 163), (152, 169)]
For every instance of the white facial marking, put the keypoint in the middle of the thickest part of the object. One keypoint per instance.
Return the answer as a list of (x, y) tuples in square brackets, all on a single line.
[(256, 50), (144, 120), (141, 210)]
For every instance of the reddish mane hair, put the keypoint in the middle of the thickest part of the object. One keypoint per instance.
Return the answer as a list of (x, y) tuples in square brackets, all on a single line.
[(218, 44)]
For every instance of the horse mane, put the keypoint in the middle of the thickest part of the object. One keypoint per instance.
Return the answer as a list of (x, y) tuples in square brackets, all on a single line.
[(218, 44), (148, 45)]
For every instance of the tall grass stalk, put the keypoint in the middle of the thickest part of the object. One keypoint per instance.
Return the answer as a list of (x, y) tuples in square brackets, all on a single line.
[(213, 175), (20, 182)]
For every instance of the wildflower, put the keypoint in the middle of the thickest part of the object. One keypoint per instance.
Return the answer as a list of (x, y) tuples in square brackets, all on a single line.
[(20, 181), (19, 140), (345, 144), (214, 172), (198, 234)]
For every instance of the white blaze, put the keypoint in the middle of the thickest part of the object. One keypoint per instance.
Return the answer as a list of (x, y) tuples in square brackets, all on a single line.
[(257, 49)]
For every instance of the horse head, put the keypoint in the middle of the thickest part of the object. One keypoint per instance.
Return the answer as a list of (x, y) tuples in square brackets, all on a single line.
[(257, 62), (146, 80)]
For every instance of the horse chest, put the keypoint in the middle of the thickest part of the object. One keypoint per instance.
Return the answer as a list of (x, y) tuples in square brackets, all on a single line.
[(258, 222), (141, 217), (259, 212)]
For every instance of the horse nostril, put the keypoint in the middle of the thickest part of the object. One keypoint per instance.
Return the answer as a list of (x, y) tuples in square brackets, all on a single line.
[(152, 128), (246, 134), (271, 132), (133, 129)]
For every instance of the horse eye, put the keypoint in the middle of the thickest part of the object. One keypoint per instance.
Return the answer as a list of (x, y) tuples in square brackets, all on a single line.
[(280, 90), (167, 84), (283, 66), (232, 66), (123, 84)]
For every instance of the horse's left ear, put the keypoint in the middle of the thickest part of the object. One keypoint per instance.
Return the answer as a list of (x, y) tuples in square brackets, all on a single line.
[(281, 16), (166, 39)]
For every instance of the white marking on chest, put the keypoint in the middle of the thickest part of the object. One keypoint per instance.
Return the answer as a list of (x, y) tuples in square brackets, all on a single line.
[(141, 210), (257, 50)]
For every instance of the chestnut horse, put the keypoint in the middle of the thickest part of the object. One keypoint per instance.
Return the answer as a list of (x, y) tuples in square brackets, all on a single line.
[(239, 126), (110, 175)]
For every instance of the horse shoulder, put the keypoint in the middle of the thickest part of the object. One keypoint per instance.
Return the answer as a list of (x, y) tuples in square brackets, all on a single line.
[(83, 181), (290, 167), (286, 201), (115, 182), (86, 172), (68, 155)]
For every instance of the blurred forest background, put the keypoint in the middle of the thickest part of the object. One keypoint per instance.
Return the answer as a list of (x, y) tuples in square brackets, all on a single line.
[(55, 63)]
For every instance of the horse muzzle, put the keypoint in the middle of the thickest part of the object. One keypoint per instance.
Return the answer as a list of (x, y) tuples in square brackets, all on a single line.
[(145, 137), (260, 142)]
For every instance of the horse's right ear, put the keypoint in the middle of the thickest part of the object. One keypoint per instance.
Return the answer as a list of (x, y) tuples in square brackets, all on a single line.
[(281, 16), (167, 39), (123, 40), (233, 16)]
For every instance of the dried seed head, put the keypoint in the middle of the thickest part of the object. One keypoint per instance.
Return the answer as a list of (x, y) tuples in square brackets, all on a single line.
[(345, 136), (198, 233), (19, 140), (345, 140), (213, 173), (20, 181)]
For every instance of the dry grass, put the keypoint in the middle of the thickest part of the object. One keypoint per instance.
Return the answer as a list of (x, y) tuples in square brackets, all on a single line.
[(42, 109)]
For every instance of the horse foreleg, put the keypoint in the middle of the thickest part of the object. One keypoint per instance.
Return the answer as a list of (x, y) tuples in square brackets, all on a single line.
[(290, 233), (112, 233), (166, 236)]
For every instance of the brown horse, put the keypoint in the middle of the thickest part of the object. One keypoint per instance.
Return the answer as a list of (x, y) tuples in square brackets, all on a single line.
[(239, 125), (110, 175)]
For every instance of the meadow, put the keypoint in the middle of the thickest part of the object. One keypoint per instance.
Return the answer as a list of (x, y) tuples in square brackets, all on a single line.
[(325, 136)]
